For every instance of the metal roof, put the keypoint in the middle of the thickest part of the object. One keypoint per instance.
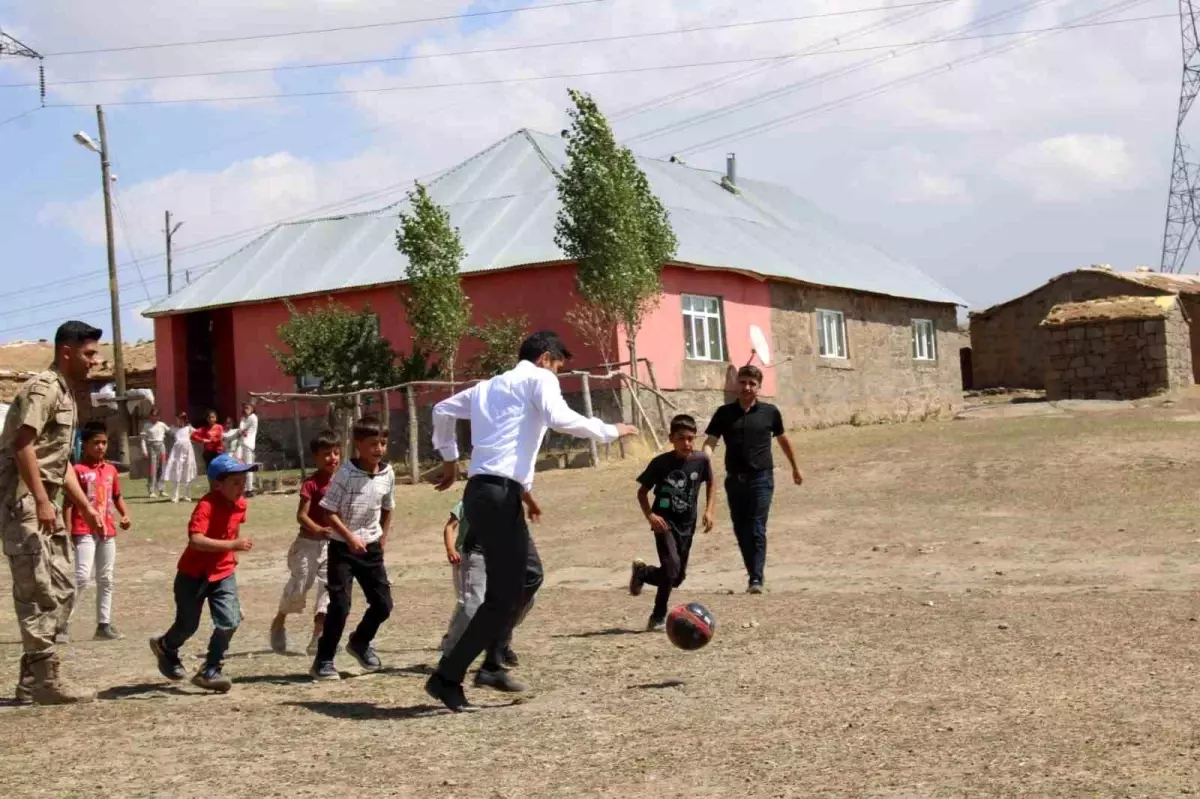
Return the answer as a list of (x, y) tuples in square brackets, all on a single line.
[(504, 203)]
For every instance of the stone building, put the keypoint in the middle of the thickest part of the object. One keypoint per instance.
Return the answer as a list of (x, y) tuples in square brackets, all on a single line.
[(1007, 343), (1117, 348)]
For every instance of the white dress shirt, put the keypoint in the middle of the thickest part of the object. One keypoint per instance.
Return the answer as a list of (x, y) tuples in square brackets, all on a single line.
[(509, 415)]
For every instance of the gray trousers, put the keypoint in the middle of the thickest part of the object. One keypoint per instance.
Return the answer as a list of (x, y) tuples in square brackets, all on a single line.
[(470, 586)]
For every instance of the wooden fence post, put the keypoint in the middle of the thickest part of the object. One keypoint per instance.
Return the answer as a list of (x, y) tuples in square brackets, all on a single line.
[(587, 411), (414, 440), (662, 411), (387, 412), (299, 437)]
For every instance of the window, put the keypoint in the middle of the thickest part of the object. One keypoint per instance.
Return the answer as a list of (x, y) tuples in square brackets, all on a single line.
[(831, 334), (924, 340), (703, 335), (308, 383)]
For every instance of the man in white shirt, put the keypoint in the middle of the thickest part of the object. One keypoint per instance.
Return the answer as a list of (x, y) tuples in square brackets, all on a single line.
[(509, 417), (247, 440)]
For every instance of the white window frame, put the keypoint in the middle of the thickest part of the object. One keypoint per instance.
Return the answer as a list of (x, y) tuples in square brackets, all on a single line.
[(924, 340), (829, 321), (700, 311), (308, 383)]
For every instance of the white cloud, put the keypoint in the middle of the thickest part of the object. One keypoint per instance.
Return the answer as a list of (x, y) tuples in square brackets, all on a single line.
[(910, 176), (1072, 168)]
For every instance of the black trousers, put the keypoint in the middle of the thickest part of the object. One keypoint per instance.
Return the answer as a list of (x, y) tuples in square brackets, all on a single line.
[(674, 548), (344, 568), (496, 517)]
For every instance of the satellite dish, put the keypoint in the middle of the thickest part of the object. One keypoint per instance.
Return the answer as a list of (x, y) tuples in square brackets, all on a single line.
[(759, 345)]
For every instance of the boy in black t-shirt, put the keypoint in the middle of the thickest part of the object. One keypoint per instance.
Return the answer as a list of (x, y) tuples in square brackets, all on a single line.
[(675, 478)]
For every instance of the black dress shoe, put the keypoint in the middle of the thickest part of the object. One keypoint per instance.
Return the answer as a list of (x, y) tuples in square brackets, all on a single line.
[(448, 693), (498, 679)]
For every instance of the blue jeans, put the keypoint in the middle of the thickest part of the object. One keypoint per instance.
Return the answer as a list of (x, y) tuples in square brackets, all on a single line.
[(223, 606), (749, 497)]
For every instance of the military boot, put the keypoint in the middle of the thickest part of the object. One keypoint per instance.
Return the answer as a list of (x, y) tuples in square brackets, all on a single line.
[(51, 688), (24, 694)]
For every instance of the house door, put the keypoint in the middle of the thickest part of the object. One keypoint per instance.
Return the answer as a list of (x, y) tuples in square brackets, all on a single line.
[(201, 374)]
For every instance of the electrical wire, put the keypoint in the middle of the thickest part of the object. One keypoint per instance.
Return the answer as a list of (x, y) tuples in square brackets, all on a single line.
[(21, 115), (483, 51), (129, 241)]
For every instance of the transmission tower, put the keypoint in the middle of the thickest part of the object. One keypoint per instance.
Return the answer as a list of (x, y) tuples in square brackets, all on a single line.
[(1183, 209), (10, 46)]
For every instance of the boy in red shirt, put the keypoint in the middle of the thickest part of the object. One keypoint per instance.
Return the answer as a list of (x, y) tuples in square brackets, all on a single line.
[(97, 548), (306, 558), (206, 572)]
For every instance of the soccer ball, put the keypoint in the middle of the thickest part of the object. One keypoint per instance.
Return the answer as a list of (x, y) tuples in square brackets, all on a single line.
[(690, 626)]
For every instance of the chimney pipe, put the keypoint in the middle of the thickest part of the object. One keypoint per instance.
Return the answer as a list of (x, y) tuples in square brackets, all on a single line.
[(731, 168)]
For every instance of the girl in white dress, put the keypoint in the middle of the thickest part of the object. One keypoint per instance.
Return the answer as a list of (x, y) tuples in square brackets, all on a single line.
[(181, 466)]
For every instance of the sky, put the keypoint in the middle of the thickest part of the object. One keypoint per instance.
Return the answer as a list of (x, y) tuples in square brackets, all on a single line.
[(990, 161)]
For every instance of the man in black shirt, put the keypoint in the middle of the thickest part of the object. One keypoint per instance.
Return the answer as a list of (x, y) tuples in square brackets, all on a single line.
[(748, 427)]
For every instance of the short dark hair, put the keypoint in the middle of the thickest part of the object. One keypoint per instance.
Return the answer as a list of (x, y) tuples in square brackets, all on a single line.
[(153, 412), (92, 429), (752, 372), (369, 427), (75, 333), (541, 342), (323, 442), (683, 423)]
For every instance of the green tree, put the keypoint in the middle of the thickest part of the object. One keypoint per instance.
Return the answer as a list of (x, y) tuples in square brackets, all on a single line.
[(611, 224), (339, 347), (438, 311), (501, 337)]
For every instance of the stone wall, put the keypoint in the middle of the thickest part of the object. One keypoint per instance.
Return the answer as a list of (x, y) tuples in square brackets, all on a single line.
[(1006, 342), (880, 381), (1118, 359)]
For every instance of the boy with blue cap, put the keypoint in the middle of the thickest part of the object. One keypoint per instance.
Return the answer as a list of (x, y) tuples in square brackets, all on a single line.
[(206, 573)]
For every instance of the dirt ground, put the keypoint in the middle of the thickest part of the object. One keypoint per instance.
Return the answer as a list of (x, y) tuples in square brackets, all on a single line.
[(1003, 606)]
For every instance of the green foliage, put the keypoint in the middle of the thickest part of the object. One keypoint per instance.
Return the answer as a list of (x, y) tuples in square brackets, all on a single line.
[(438, 311), (338, 346), (417, 366), (501, 337), (611, 223)]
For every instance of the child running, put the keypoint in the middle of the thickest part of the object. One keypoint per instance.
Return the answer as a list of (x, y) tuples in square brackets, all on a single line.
[(675, 479), (181, 465), (306, 558), (154, 450), (206, 573), (359, 501), (97, 549), (469, 573)]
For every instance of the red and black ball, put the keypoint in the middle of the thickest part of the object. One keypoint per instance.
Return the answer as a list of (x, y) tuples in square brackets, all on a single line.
[(690, 626)]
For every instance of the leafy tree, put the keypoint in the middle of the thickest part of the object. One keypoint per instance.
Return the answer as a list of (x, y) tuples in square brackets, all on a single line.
[(339, 347), (611, 224), (501, 337), (438, 311)]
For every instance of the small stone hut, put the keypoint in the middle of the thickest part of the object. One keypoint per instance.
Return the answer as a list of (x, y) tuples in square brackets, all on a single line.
[(1116, 348)]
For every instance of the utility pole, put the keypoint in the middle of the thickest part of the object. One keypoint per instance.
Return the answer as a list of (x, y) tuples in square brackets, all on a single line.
[(170, 231), (1183, 208), (114, 292)]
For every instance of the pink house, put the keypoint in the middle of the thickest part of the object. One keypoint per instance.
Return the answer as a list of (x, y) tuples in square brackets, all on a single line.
[(855, 335)]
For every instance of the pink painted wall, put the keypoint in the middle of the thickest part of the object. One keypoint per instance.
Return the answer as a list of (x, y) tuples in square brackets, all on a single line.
[(543, 294)]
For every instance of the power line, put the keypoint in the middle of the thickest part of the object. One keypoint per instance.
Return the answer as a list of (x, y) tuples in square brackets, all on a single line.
[(340, 29), (788, 119), (129, 243), (483, 51), (497, 81), (21, 115)]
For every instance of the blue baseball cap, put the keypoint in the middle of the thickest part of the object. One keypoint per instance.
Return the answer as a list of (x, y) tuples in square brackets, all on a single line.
[(223, 465)]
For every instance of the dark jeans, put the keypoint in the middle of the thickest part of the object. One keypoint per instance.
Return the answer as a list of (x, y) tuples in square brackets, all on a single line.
[(343, 568), (223, 606), (674, 548), (496, 517), (749, 497)]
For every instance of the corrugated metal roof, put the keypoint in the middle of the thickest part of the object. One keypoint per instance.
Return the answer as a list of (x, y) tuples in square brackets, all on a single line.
[(504, 203)]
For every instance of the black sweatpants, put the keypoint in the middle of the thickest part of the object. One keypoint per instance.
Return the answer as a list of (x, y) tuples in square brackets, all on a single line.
[(493, 509), (343, 568), (674, 548)]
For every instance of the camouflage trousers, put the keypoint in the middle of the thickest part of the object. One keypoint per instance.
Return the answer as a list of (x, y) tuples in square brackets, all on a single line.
[(42, 576)]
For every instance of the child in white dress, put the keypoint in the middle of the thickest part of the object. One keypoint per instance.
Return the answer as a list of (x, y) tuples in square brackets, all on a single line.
[(181, 466)]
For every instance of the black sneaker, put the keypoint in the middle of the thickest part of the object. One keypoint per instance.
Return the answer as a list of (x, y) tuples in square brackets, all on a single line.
[(324, 670), (210, 678), (365, 656), (169, 664), (106, 632), (637, 577), (509, 658), (499, 679), (448, 693), (754, 588)]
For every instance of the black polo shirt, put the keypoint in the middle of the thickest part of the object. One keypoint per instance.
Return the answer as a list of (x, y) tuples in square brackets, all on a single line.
[(747, 435)]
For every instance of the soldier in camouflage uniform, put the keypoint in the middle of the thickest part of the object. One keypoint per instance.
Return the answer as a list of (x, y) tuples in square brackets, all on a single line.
[(35, 472)]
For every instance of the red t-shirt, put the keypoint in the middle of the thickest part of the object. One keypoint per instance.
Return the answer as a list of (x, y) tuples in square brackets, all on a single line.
[(314, 491), (102, 486), (213, 438), (213, 517)]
